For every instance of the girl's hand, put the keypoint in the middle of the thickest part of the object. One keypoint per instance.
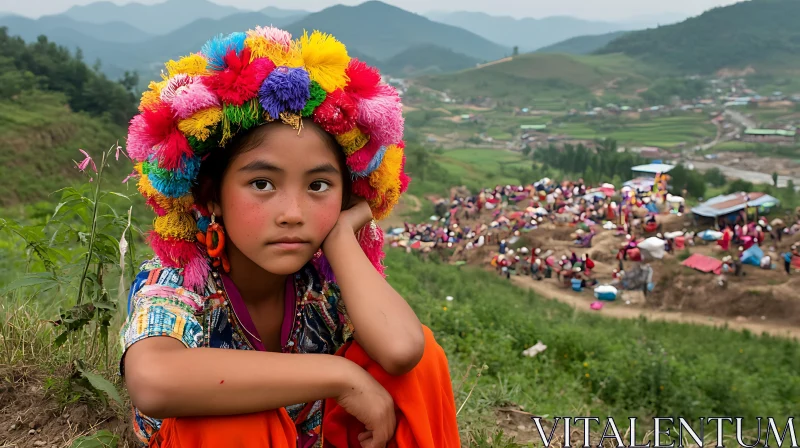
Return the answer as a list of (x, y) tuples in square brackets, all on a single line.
[(351, 220), (366, 400), (356, 215)]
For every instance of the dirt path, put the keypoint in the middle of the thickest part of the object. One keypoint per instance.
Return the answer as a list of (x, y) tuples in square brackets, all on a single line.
[(550, 290)]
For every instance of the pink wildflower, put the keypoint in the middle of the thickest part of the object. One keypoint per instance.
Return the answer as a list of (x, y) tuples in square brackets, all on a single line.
[(133, 175), (85, 162)]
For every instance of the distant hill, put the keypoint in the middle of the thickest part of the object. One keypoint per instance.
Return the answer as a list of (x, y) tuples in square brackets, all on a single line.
[(530, 80), (758, 33), (160, 18), (527, 33), (582, 44), (426, 59), (279, 13), (61, 27), (383, 31)]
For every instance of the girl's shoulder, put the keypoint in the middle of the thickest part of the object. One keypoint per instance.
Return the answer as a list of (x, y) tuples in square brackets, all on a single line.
[(155, 281)]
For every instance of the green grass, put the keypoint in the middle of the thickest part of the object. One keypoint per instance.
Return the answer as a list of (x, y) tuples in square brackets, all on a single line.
[(593, 365), (663, 132), (40, 138)]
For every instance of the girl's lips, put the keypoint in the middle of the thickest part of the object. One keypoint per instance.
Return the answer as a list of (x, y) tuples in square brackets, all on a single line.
[(289, 246)]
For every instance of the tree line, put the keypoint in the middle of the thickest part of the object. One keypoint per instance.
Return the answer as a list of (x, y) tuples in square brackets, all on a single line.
[(43, 65)]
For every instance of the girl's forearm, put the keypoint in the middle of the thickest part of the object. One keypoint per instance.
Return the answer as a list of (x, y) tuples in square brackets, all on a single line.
[(165, 379), (386, 326)]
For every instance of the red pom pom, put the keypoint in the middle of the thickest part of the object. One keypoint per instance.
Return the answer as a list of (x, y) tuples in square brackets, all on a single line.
[(363, 79), (337, 114), (362, 188), (171, 151), (161, 131), (241, 79), (159, 122)]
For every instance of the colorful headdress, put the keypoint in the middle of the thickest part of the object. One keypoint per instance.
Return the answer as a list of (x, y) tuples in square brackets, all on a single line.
[(240, 81)]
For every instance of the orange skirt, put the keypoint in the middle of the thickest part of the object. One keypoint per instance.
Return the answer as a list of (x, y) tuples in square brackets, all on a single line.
[(424, 407)]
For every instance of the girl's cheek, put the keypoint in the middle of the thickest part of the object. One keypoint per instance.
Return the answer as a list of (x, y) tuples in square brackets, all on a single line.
[(324, 217)]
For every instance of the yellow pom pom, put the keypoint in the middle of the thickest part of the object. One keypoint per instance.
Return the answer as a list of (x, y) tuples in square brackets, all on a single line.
[(144, 185), (325, 59), (176, 224), (199, 125), (152, 96), (387, 175), (386, 180), (192, 65), (352, 141), (279, 54)]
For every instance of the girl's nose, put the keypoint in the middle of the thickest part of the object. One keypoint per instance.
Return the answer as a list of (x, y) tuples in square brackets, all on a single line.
[(291, 212)]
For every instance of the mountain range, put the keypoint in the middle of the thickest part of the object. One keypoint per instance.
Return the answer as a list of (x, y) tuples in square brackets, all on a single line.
[(373, 31), (533, 34), (163, 18)]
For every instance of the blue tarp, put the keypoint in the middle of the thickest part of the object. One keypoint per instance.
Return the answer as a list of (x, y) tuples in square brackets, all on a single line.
[(753, 256)]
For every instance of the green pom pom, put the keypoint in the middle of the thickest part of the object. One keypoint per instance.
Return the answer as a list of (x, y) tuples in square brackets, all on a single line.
[(246, 116), (318, 95), (202, 147)]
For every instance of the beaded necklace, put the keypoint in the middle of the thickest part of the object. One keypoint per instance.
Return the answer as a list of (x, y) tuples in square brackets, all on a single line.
[(297, 324)]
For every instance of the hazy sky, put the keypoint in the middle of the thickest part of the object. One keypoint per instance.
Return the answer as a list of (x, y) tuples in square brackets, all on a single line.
[(589, 9)]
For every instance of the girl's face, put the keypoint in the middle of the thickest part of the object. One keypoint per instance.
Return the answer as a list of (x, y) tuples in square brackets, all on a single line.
[(280, 199)]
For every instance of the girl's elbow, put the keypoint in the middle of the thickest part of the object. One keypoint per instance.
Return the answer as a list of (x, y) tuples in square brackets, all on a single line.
[(405, 357), (146, 389)]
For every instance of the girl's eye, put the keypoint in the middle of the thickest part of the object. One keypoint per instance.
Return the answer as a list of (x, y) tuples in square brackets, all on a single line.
[(262, 185), (318, 186)]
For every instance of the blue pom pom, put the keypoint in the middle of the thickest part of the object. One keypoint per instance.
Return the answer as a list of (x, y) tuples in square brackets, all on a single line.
[(215, 49), (175, 184), (373, 164), (203, 223), (285, 90)]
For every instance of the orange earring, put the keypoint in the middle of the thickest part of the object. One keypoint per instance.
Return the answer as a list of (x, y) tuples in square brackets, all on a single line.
[(215, 247)]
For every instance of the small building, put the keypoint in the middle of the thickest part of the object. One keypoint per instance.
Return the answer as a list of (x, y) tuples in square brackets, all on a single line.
[(533, 127), (769, 136), (652, 169), (728, 206)]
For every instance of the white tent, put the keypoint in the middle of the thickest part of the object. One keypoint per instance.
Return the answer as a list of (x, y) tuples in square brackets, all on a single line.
[(654, 246)]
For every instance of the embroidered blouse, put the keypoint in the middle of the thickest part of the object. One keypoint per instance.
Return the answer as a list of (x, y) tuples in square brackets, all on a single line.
[(158, 305)]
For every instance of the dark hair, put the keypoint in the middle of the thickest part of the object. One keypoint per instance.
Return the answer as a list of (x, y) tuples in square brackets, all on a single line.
[(209, 180)]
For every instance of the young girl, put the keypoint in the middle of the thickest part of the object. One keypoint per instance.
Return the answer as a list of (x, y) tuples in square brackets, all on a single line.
[(264, 320)]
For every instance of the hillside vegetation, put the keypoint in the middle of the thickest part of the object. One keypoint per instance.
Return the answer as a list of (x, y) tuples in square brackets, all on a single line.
[(51, 105), (759, 33), (530, 78)]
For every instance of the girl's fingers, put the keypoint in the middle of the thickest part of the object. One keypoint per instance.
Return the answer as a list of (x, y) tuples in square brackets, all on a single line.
[(364, 436)]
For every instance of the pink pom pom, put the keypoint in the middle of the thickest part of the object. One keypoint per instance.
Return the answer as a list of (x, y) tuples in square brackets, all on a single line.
[(195, 274), (382, 116), (139, 143), (274, 35), (173, 252), (191, 98), (174, 85), (371, 240)]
